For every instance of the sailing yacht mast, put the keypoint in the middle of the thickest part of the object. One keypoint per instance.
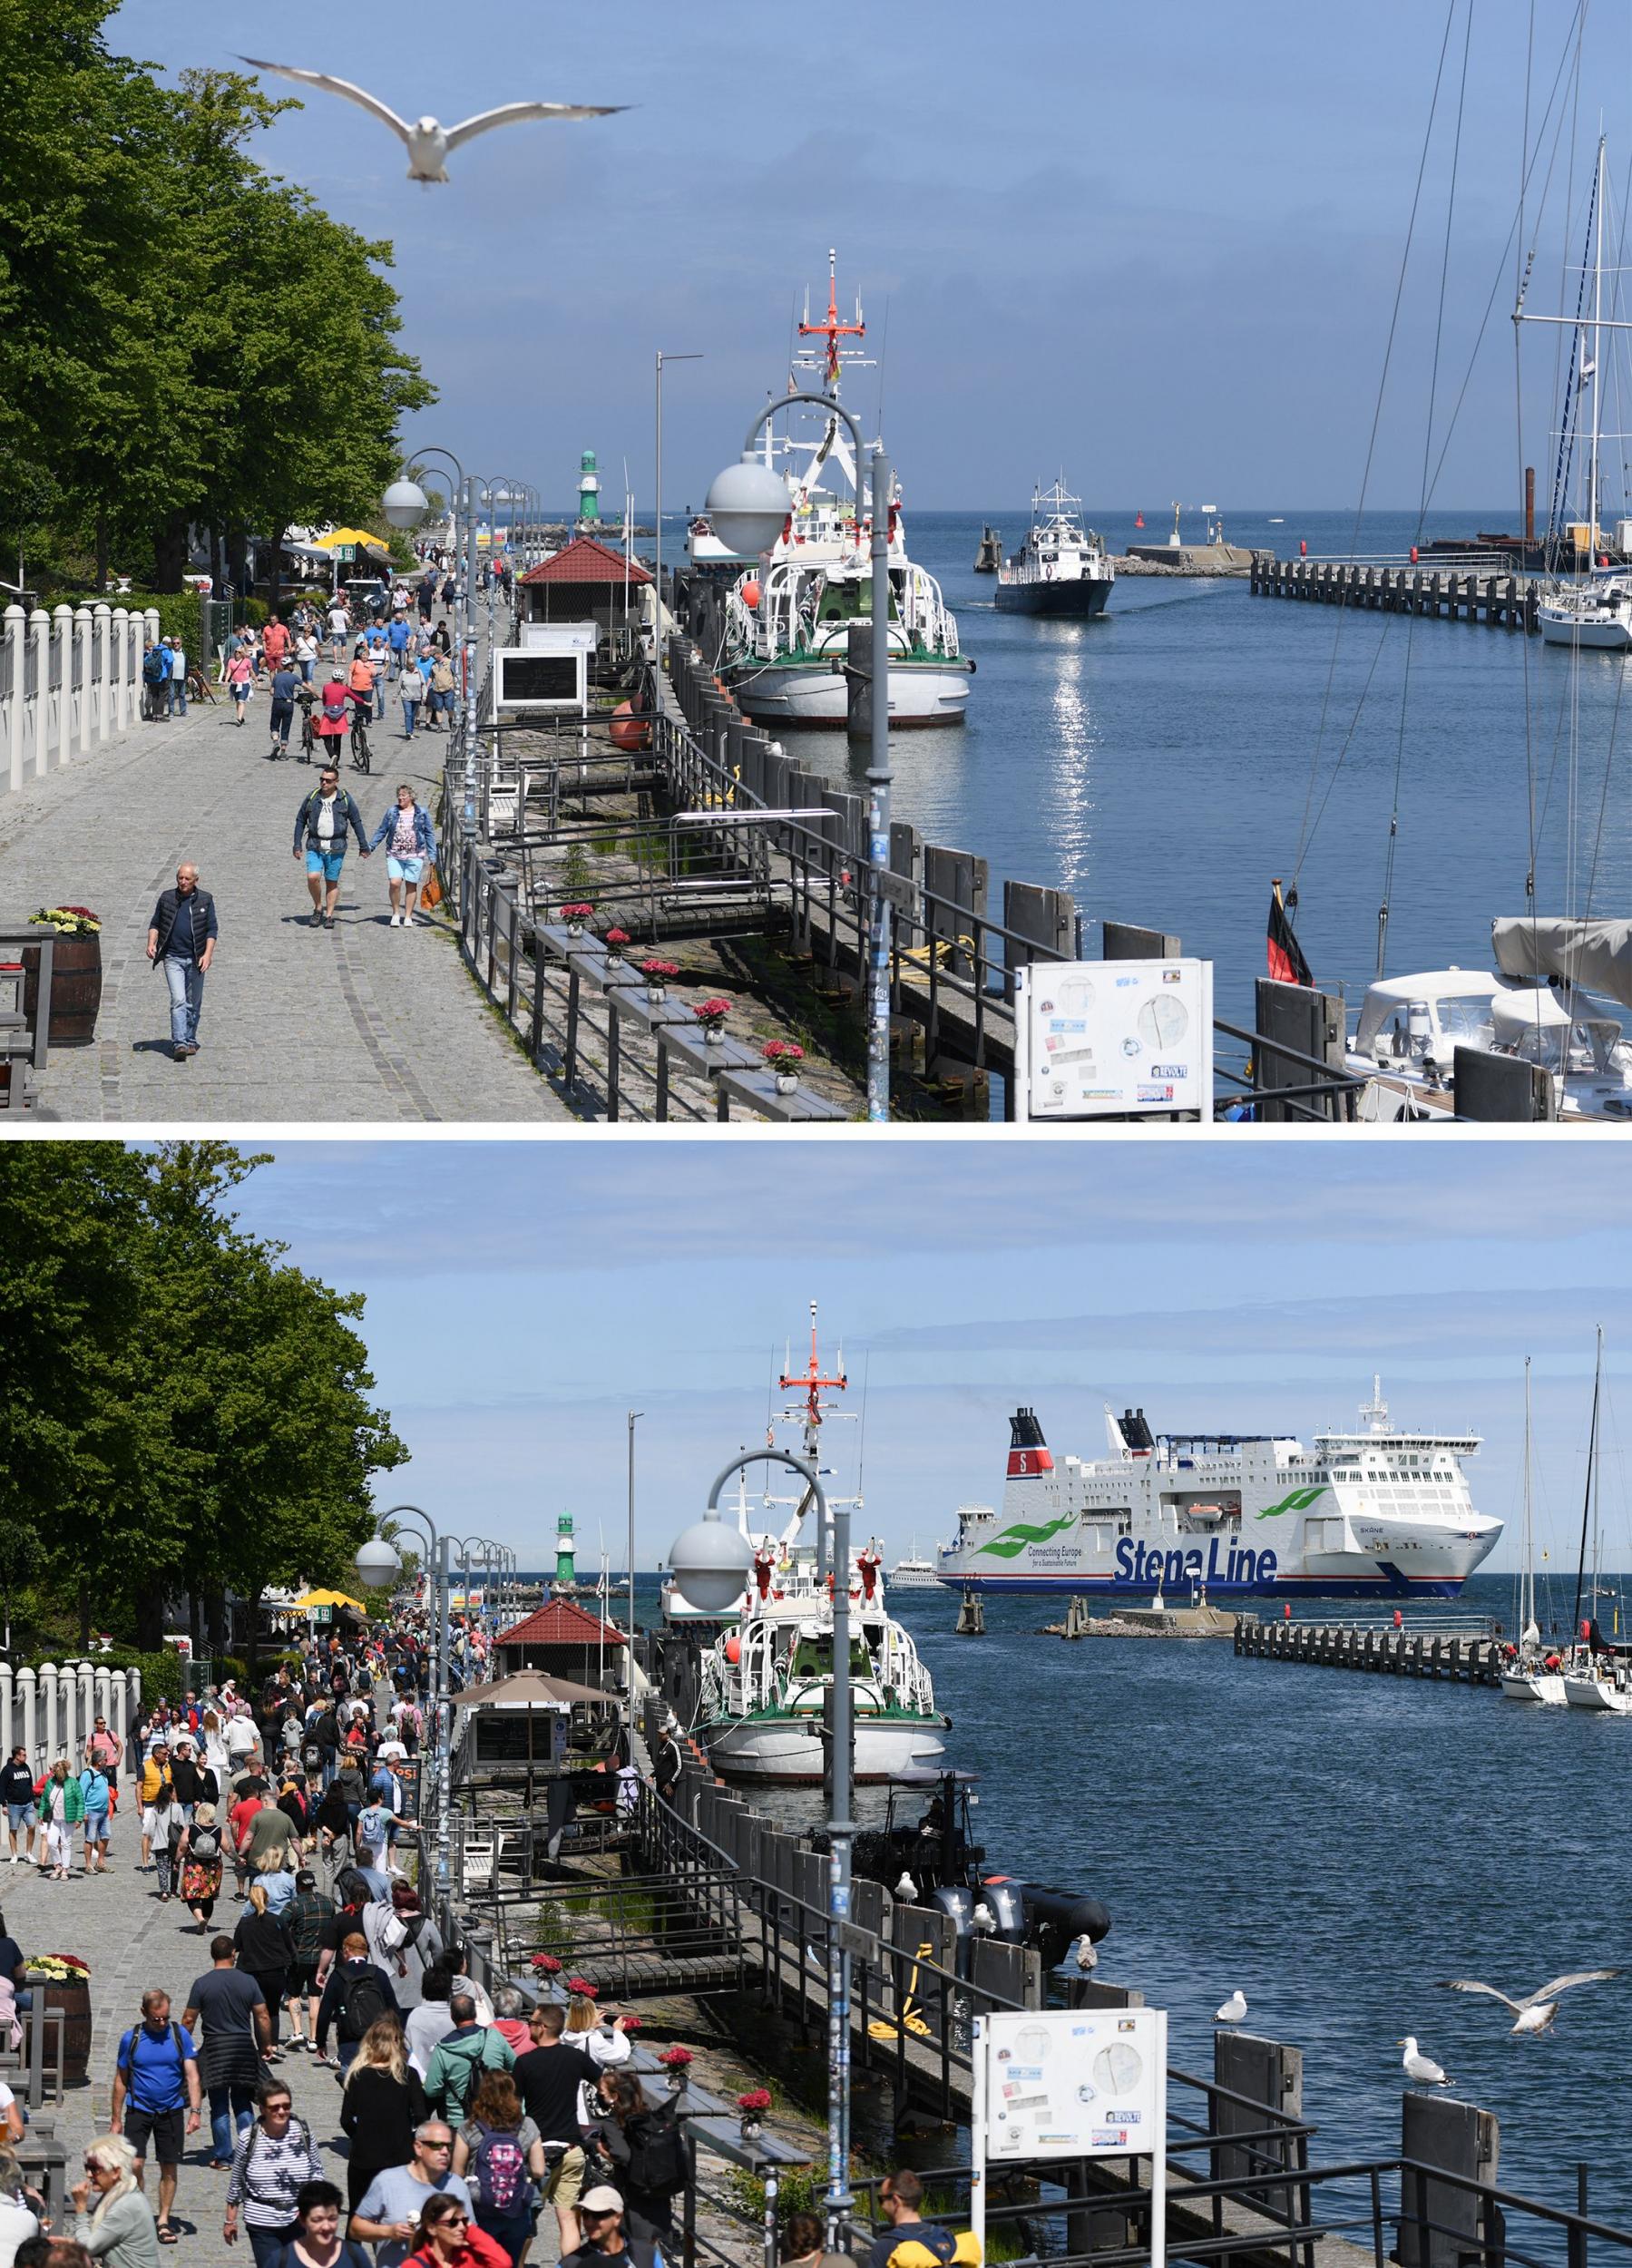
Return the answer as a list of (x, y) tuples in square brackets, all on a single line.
[(1597, 391), (1529, 1631), (1591, 1498)]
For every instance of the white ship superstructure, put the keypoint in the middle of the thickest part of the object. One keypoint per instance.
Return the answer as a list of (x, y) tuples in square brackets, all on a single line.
[(1375, 1513)]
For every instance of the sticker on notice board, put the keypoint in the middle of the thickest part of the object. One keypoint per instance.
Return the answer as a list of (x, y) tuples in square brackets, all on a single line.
[(1073, 2082), (1096, 1040)]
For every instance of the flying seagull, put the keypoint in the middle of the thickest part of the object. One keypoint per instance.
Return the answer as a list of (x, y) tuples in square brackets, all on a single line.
[(427, 141), (1422, 2068), (1537, 2010), (1233, 2010)]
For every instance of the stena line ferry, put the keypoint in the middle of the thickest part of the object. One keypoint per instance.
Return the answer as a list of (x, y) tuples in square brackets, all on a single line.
[(1378, 1514)]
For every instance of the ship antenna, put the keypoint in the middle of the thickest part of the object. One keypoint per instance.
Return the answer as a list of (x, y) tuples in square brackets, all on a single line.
[(861, 1449)]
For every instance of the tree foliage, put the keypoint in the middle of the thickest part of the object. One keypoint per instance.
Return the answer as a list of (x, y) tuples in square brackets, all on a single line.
[(184, 339), (182, 1411)]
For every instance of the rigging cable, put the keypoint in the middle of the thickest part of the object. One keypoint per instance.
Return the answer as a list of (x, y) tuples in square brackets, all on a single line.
[(1388, 351), (1434, 383)]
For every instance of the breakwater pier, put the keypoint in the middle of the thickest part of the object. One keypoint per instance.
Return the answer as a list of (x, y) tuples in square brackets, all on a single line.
[(1466, 1655), (1465, 590)]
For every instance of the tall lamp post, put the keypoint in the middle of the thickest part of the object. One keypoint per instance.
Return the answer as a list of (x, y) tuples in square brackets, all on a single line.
[(657, 619), (405, 505), (711, 1564), (378, 1561), (633, 1415), (747, 504)]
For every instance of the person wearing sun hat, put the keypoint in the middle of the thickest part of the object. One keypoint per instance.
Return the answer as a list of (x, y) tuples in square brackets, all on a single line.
[(606, 2243)]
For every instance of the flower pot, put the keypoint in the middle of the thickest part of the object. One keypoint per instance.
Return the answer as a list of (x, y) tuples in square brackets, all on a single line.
[(752, 2128), (787, 1082), (614, 958), (656, 994), (713, 1034), (677, 2082), (76, 989), (575, 929), (73, 1995)]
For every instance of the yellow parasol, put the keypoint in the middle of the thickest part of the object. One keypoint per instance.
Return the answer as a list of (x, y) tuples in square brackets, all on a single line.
[(331, 1599)]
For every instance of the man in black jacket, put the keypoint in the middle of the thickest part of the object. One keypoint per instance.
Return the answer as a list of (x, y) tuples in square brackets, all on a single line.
[(320, 831), (16, 1792), (181, 940)]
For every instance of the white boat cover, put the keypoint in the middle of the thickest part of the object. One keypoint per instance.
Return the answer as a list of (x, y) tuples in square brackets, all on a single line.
[(1513, 1014), (1596, 954)]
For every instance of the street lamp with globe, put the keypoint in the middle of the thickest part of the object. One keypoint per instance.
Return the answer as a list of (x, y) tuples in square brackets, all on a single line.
[(378, 1561), (712, 1564), (748, 506)]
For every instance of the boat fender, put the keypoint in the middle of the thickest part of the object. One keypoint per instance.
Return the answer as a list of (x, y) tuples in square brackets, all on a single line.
[(750, 594), (1068, 1911), (733, 1648)]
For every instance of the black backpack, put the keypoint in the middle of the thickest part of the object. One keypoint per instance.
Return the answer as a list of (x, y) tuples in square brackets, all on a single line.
[(657, 2151), (362, 2003)]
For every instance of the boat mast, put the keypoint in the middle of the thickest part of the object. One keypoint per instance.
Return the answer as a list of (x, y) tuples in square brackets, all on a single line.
[(1589, 1498), (813, 1384), (1597, 318), (1527, 1580)]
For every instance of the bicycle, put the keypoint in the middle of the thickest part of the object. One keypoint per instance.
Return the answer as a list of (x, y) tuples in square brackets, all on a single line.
[(359, 740), (308, 731)]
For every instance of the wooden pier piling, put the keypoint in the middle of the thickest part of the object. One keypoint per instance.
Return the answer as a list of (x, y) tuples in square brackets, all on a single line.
[(1503, 601), (1458, 1656)]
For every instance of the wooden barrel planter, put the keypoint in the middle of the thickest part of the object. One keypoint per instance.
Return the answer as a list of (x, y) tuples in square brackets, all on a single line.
[(73, 1995), (75, 990)]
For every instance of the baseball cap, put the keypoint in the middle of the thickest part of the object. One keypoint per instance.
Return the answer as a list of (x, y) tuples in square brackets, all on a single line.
[(602, 2198)]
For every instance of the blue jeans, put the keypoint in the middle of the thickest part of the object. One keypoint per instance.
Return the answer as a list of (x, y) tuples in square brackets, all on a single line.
[(410, 715), (266, 2244), (175, 696), (229, 2107), (186, 982)]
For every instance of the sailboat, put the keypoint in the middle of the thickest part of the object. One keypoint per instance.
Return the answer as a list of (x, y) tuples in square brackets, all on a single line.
[(1590, 611), (763, 1702), (1594, 1680), (1528, 1678)]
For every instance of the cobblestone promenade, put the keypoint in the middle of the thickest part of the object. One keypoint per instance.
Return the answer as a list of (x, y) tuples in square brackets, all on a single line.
[(116, 1924), (361, 1023)]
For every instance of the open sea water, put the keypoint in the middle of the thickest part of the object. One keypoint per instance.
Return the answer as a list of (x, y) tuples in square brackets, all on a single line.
[(1160, 762)]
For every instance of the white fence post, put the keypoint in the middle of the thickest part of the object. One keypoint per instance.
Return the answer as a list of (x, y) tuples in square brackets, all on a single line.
[(82, 694), (121, 624), (103, 651), (27, 1693), (62, 626), (5, 1695), (39, 706), (16, 705), (46, 1700), (68, 1687)]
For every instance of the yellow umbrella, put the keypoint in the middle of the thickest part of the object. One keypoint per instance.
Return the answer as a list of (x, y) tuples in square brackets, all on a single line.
[(358, 538), (329, 1599)]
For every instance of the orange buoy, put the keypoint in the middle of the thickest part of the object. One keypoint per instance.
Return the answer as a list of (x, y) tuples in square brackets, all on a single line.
[(630, 732), (750, 594), (733, 1648)]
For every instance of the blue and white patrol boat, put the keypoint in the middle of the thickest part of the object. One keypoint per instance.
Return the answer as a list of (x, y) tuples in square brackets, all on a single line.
[(1377, 1513)]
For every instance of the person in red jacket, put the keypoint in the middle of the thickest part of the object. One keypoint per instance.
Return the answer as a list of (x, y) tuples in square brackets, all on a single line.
[(447, 2238)]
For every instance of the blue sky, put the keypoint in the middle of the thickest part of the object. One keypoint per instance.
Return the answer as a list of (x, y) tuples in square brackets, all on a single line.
[(523, 1296), (1160, 245)]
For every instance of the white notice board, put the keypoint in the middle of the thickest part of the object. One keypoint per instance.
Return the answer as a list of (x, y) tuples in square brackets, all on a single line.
[(1095, 1039), (1069, 2083)]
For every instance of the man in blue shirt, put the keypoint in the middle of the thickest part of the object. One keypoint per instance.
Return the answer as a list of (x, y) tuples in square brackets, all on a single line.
[(397, 637), (156, 2093)]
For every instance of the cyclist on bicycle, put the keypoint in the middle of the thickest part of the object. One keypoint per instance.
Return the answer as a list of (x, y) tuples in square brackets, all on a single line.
[(331, 718), (361, 684)]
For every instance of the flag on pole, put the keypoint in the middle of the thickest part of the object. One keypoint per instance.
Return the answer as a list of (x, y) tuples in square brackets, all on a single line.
[(1287, 961)]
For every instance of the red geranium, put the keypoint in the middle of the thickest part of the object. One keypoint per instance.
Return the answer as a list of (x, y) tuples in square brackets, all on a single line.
[(546, 1964), (576, 912), (782, 1052), (616, 936), (712, 1012), (659, 971), (676, 2058), (582, 1986), (757, 2098), (629, 2023)]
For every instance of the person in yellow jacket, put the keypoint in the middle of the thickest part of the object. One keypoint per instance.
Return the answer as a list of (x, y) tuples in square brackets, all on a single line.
[(910, 2241), (155, 1775)]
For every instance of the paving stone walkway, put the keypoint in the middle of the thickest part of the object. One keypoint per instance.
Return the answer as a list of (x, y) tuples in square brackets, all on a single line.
[(363, 1023)]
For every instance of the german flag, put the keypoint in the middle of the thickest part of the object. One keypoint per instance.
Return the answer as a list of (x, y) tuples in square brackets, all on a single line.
[(1287, 961)]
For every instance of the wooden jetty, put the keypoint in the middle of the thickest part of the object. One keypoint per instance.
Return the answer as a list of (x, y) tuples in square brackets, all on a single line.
[(1505, 601), (1460, 1657)]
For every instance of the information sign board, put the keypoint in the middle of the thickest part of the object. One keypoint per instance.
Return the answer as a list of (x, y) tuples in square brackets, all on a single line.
[(1103, 1038), (1069, 2083)]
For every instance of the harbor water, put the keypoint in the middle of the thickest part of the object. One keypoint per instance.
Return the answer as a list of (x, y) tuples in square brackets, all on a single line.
[(1158, 762), (1331, 1846)]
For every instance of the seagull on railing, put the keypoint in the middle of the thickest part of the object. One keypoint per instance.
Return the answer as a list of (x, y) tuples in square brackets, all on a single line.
[(1537, 2010), (1085, 1953), (1233, 2010), (1422, 2068), (427, 139), (906, 1887)]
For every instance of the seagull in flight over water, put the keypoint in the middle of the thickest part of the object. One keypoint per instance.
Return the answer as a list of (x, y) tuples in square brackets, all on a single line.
[(427, 141), (1422, 2068), (1537, 2010)]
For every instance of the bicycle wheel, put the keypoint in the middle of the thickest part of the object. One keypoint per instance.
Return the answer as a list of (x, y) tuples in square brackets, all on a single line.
[(359, 748)]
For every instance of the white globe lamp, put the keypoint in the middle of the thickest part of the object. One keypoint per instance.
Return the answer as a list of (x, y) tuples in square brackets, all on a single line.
[(377, 1563), (710, 1563), (747, 505), (405, 503)]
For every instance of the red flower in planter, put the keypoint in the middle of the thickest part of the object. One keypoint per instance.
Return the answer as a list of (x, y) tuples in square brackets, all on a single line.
[(676, 2058), (780, 1051), (581, 1986), (712, 1012), (616, 936), (757, 2098), (659, 971), (546, 1964), (576, 912)]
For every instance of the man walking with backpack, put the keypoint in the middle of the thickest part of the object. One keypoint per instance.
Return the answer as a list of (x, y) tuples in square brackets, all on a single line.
[(549, 2078), (460, 2059), (320, 829), (357, 1994), (157, 2097)]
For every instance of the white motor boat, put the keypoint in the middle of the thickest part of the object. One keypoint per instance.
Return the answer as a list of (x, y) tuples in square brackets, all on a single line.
[(1410, 1028), (1594, 615)]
